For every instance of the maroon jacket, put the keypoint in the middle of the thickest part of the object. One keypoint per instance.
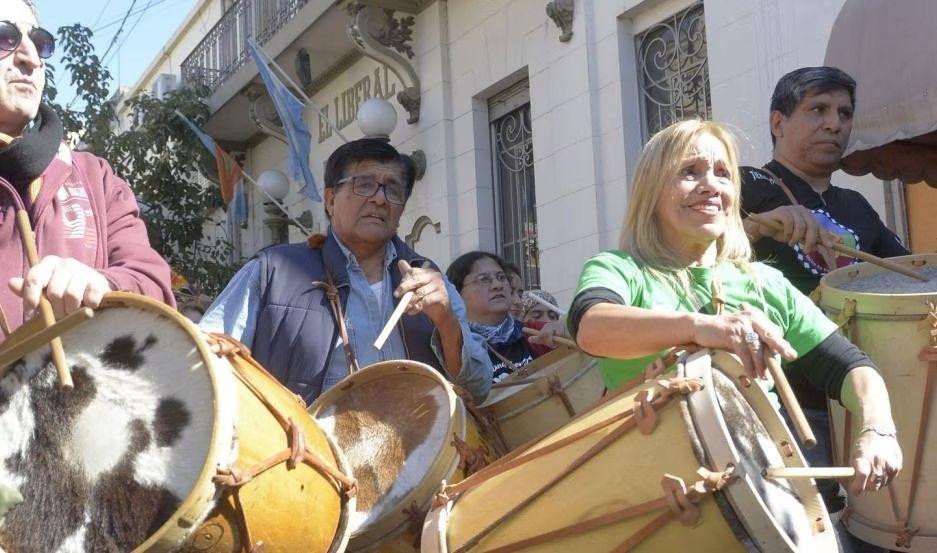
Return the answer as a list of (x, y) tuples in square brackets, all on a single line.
[(86, 212)]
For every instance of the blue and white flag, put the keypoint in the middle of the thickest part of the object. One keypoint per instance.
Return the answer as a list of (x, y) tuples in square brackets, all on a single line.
[(290, 111)]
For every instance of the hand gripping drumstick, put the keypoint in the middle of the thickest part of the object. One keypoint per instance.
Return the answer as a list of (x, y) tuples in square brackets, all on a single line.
[(45, 308), (565, 342), (395, 316), (783, 387), (858, 254), (808, 472)]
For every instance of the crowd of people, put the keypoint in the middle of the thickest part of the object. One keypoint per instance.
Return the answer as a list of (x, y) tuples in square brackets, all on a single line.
[(310, 311)]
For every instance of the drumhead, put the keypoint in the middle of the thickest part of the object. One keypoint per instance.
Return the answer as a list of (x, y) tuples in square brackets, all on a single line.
[(392, 426), (738, 426), (104, 466)]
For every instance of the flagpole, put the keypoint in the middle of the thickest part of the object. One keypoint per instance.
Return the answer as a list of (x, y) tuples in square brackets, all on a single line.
[(261, 188), (272, 63)]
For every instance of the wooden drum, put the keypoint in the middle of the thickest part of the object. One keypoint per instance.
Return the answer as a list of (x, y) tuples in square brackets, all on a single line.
[(542, 396), (671, 464), (404, 431), (894, 320), (170, 440)]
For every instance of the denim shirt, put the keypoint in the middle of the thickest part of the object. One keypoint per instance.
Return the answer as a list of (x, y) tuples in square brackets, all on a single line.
[(235, 312)]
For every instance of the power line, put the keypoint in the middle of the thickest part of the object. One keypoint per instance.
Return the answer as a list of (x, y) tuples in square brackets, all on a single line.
[(119, 30), (129, 33), (117, 20), (101, 13)]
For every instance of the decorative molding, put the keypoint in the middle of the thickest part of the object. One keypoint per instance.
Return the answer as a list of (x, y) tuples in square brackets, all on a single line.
[(263, 114), (417, 230), (379, 36), (303, 68), (332, 72), (419, 163), (561, 12)]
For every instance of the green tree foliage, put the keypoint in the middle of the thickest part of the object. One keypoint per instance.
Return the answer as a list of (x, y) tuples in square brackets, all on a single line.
[(158, 155)]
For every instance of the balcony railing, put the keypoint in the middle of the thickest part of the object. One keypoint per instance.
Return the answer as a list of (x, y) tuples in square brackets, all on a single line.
[(224, 49)]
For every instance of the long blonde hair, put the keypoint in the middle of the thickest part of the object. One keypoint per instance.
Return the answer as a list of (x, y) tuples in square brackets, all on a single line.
[(657, 169)]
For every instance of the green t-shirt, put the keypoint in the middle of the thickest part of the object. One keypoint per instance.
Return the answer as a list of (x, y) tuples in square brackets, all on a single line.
[(803, 324)]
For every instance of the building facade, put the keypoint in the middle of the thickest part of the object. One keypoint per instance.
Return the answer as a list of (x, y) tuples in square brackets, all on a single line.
[(529, 116)]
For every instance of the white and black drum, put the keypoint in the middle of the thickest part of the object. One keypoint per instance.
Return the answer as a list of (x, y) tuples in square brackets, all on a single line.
[(673, 464), (170, 440)]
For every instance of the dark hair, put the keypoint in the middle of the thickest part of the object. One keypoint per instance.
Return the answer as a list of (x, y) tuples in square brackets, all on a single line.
[(365, 149), (807, 81), (462, 266), (512, 269)]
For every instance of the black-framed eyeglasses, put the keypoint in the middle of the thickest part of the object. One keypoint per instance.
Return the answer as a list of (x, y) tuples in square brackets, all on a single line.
[(487, 279), (367, 186), (11, 36)]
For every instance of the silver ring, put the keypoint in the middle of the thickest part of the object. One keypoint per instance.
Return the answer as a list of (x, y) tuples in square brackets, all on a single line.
[(751, 338)]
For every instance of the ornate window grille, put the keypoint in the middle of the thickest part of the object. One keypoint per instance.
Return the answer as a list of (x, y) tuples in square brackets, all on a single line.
[(515, 198), (673, 70)]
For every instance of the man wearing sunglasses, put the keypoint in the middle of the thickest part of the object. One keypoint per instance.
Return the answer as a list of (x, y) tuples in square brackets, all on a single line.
[(89, 236), (279, 302)]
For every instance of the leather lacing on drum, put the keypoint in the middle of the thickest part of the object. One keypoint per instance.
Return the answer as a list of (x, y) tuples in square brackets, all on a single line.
[(678, 500), (904, 532), (231, 479)]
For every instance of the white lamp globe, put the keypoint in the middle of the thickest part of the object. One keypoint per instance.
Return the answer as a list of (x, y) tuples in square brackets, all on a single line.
[(377, 118), (274, 183)]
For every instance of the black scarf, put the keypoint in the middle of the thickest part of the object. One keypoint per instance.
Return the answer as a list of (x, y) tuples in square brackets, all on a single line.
[(28, 156)]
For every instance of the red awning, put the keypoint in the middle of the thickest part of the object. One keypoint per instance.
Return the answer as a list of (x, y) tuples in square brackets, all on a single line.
[(890, 48)]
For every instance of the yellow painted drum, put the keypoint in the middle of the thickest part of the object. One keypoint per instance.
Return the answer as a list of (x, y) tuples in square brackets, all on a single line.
[(893, 319), (543, 396), (403, 430), (673, 464), (171, 440)]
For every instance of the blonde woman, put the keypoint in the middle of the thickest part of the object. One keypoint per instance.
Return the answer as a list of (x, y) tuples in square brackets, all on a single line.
[(682, 244)]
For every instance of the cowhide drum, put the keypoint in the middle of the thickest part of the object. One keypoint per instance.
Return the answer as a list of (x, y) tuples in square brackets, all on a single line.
[(671, 464), (154, 446), (404, 431)]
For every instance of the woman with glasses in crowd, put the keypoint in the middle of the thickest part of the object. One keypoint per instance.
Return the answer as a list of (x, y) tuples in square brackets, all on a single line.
[(483, 282)]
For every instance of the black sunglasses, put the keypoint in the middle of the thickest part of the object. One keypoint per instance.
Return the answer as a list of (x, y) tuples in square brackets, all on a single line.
[(11, 36)]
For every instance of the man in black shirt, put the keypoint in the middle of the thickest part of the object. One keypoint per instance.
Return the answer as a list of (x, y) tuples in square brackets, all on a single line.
[(811, 118)]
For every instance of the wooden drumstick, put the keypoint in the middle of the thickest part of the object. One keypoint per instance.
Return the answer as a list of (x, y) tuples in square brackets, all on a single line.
[(784, 390), (45, 308), (14, 349), (808, 472), (786, 393), (392, 321), (395, 316), (565, 342), (852, 252)]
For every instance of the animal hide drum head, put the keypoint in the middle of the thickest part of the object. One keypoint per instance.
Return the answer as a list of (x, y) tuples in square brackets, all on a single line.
[(102, 466), (391, 430)]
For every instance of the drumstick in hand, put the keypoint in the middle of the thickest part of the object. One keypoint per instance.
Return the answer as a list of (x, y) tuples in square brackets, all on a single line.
[(565, 342), (395, 316), (808, 472), (45, 308), (784, 390)]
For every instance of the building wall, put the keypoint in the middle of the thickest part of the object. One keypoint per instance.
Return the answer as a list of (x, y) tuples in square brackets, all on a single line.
[(584, 109)]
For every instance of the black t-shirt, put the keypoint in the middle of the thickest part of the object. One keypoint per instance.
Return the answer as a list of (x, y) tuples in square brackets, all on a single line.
[(841, 211)]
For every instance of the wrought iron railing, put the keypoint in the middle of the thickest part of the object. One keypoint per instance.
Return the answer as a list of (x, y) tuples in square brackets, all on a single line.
[(224, 49)]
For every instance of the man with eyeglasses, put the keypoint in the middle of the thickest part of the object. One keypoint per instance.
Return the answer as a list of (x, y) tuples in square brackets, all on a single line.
[(279, 304), (89, 235)]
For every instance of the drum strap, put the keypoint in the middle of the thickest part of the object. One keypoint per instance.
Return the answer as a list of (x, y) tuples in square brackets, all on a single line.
[(335, 302), (507, 362), (628, 420)]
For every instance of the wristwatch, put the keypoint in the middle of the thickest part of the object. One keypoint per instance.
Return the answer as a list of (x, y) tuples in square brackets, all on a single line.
[(884, 432)]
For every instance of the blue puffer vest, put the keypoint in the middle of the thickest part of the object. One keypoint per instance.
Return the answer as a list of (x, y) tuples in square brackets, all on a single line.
[(296, 329)]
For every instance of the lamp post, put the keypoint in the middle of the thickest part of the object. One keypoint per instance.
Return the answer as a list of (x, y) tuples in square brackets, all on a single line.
[(277, 186), (377, 118)]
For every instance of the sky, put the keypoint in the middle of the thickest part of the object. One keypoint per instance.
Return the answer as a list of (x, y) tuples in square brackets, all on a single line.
[(150, 24)]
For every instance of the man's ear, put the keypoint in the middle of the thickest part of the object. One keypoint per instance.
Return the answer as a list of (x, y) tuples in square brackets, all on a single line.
[(777, 121), (328, 197)]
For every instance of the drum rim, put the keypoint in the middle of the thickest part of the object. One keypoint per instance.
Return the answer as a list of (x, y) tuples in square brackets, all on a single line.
[(393, 521), (538, 386), (833, 296), (711, 432), (202, 496)]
